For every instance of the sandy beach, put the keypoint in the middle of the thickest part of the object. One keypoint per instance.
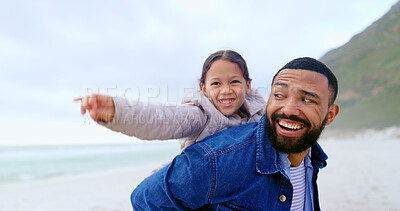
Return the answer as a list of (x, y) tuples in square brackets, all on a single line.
[(101, 191), (359, 176)]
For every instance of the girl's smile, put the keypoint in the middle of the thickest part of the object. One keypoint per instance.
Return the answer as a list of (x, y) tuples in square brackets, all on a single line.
[(226, 102)]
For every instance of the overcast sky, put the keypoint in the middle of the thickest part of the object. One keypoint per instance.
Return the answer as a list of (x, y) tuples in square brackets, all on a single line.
[(53, 51)]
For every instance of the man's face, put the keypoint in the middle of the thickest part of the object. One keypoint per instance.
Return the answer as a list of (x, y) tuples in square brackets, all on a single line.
[(298, 109)]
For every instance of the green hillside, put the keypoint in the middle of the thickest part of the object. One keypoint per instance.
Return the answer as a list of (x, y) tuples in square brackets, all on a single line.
[(368, 71)]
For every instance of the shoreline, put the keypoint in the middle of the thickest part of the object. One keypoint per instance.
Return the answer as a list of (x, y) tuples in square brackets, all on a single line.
[(360, 134)]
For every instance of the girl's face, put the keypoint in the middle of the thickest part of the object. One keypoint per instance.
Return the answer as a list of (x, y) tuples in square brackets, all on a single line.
[(226, 87)]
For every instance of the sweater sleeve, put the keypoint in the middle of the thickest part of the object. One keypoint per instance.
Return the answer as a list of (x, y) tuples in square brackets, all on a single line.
[(156, 121)]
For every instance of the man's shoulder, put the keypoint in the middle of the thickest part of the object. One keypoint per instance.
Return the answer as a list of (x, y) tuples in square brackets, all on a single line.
[(229, 139)]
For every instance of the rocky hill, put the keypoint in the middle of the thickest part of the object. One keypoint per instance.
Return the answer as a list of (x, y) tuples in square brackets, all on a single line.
[(368, 71)]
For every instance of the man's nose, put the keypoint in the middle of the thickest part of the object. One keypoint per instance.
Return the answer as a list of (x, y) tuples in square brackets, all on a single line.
[(291, 108)]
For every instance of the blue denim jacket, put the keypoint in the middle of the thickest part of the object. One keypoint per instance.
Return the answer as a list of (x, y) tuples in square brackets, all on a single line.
[(236, 169)]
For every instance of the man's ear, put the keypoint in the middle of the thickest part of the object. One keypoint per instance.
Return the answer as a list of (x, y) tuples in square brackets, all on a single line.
[(332, 113), (203, 88), (248, 86)]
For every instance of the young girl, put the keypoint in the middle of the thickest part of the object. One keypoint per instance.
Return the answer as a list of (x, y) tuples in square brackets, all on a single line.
[(225, 100)]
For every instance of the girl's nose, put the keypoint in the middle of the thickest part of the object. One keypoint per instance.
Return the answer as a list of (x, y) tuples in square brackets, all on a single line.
[(226, 89)]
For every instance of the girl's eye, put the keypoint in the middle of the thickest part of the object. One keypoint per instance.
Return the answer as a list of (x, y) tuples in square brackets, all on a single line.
[(215, 83), (235, 81)]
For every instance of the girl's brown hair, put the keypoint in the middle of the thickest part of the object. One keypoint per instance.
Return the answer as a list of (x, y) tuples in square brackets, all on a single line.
[(227, 55)]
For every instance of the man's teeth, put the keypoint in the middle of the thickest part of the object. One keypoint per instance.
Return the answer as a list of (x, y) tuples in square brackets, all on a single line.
[(290, 126), (226, 101)]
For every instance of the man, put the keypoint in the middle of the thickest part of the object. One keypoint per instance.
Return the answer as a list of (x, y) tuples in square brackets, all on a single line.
[(269, 165)]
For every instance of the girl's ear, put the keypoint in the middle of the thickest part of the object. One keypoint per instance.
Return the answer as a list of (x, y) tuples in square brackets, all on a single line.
[(203, 88), (332, 113), (248, 87)]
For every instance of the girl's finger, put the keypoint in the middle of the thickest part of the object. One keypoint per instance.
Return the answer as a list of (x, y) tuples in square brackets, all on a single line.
[(92, 101), (93, 114), (84, 105), (83, 110)]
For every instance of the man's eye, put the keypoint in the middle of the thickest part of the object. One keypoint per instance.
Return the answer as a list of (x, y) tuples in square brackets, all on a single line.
[(215, 83), (278, 95), (307, 100)]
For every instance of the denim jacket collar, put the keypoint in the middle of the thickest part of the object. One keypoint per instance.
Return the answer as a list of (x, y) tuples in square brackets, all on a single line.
[(267, 159)]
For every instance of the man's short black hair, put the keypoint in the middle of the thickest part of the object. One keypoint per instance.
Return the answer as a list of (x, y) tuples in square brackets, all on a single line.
[(311, 64)]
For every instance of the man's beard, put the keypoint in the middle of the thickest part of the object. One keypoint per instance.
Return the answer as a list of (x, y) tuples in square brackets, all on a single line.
[(292, 144)]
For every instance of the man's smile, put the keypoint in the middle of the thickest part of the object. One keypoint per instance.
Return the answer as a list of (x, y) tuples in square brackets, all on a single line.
[(289, 128), (290, 125)]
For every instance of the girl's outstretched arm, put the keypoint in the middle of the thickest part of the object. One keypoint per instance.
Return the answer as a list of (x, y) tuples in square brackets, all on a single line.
[(153, 121), (100, 107)]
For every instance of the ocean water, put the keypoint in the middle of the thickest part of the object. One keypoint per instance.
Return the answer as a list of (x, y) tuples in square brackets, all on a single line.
[(27, 163)]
